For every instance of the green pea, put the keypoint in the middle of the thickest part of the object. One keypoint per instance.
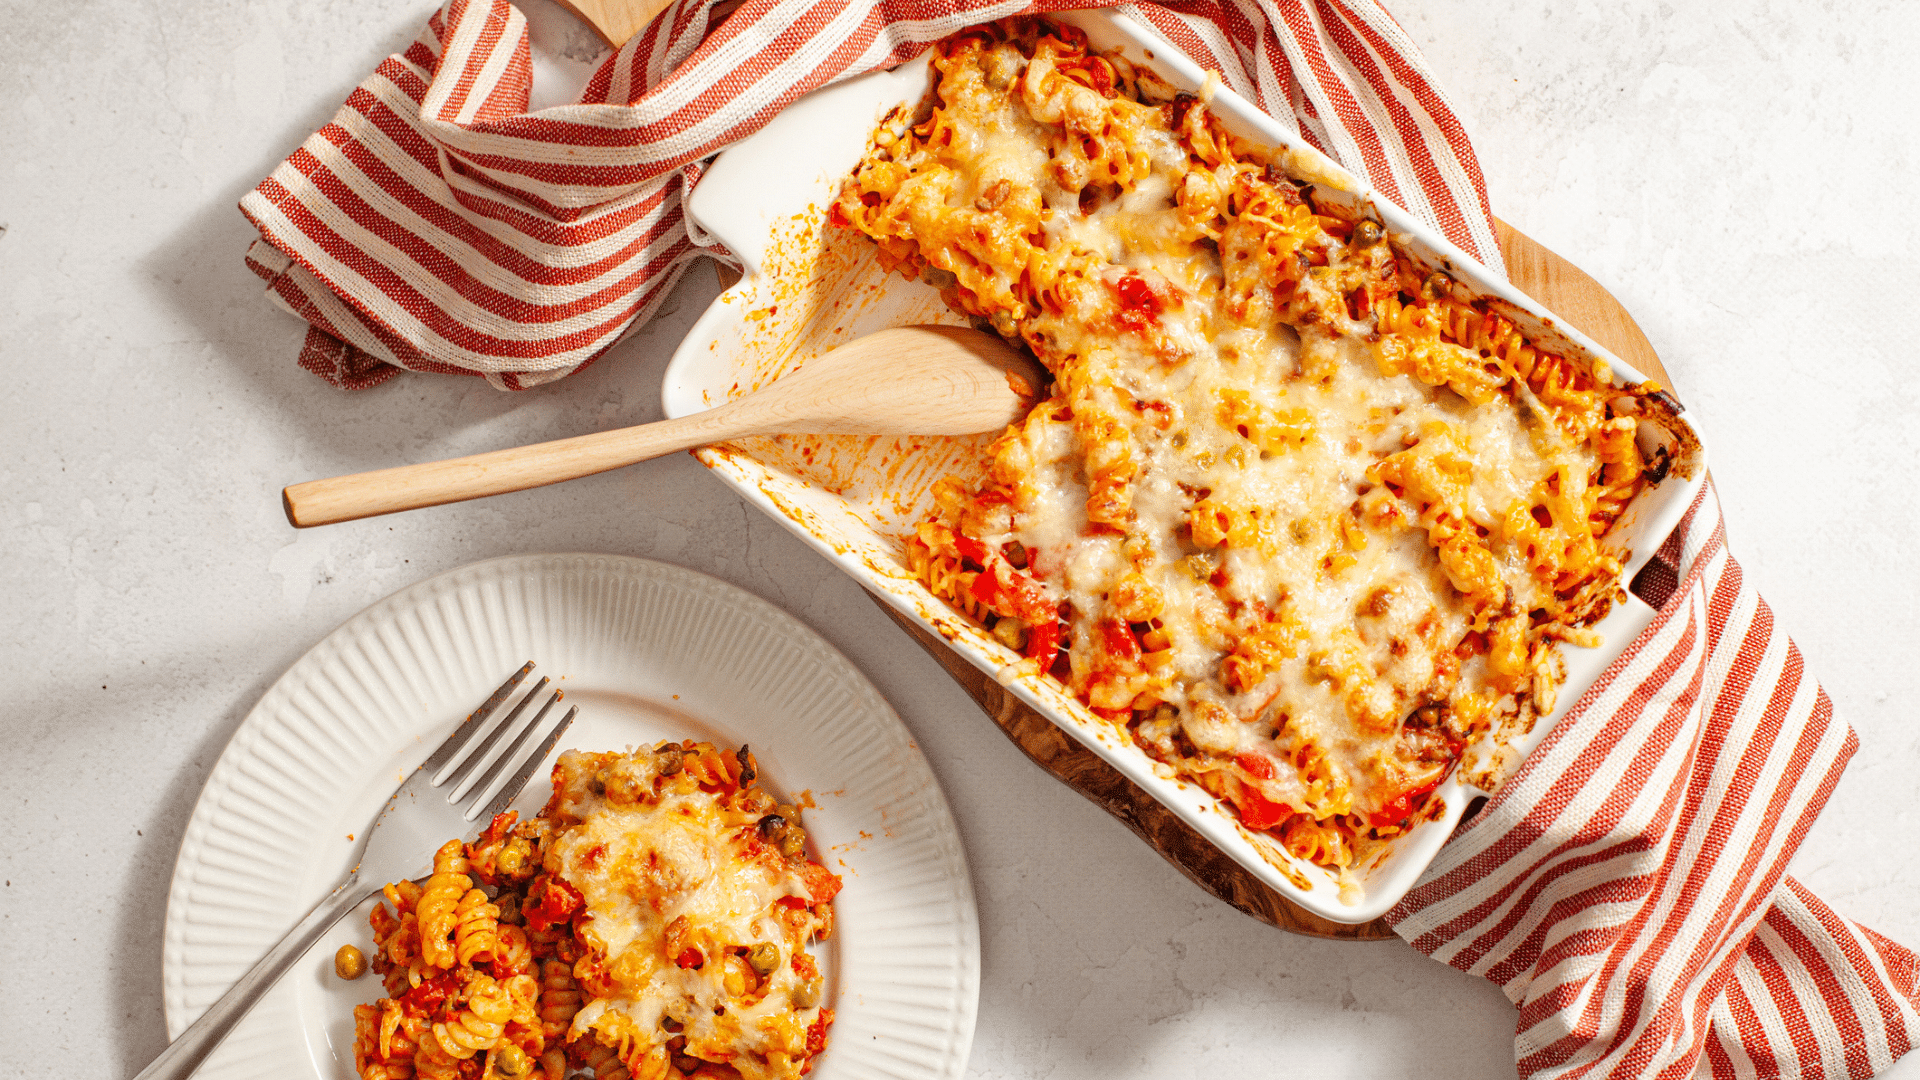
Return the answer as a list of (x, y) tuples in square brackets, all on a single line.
[(510, 860), (763, 958), (510, 1060), (349, 962), (793, 842)]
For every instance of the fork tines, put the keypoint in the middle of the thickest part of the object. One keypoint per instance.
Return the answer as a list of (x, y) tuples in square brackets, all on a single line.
[(489, 770)]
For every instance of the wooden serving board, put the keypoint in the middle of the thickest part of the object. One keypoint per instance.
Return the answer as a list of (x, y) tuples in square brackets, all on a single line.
[(1565, 290)]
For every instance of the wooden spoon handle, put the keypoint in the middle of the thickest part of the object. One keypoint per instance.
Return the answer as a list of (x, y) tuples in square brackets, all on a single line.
[(432, 483)]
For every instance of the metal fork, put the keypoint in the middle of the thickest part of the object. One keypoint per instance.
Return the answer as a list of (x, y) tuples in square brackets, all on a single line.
[(444, 797)]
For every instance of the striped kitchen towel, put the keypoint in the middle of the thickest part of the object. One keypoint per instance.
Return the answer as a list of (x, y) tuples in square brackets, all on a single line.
[(1626, 889), (436, 225)]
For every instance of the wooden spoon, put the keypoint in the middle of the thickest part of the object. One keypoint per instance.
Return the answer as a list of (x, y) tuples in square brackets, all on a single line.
[(910, 380)]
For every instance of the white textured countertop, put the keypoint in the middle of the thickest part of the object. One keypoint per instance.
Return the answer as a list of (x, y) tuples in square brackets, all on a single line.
[(1739, 174)]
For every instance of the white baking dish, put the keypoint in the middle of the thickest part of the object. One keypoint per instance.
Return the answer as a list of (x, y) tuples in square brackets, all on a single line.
[(809, 287)]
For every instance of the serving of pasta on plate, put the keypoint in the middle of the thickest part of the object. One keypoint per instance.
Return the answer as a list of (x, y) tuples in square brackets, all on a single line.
[(651, 922)]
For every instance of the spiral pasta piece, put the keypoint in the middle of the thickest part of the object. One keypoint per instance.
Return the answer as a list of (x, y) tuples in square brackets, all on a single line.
[(560, 999), (437, 908), (433, 1062), (476, 934), (602, 1059), (713, 770), (479, 1025), (513, 952), (384, 1042)]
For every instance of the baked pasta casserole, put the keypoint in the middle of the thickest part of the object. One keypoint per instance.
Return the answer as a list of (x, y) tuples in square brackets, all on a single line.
[(650, 923), (1300, 514)]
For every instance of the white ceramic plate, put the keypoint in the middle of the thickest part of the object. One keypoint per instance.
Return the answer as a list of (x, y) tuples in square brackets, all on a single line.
[(808, 287), (647, 651)]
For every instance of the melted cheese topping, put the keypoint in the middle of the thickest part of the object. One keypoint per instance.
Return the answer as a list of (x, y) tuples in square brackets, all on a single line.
[(1309, 523), (678, 887)]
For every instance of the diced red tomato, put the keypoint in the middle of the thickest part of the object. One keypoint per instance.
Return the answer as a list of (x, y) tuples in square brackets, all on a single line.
[(1043, 642), (1119, 640), (1140, 306), (1102, 78), (822, 884), (498, 828), (1256, 764), (427, 997), (1259, 813), (690, 957), (986, 589), (817, 1032), (551, 901), (969, 548), (804, 967), (1402, 806)]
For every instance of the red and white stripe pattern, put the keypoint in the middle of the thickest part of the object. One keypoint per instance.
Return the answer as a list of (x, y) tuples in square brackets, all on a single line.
[(436, 225), (1627, 888)]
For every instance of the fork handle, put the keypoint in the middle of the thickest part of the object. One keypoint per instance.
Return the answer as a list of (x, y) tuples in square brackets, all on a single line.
[(185, 1053)]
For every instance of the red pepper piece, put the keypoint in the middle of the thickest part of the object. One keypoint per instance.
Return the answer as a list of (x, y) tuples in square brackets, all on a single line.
[(422, 1000), (1259, 813), (1120, 640), (1140, 305), (817, 1032), (970, 549), (551, 901), (822, 884), (1401, 806), (986, 589), (1043, 643)]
